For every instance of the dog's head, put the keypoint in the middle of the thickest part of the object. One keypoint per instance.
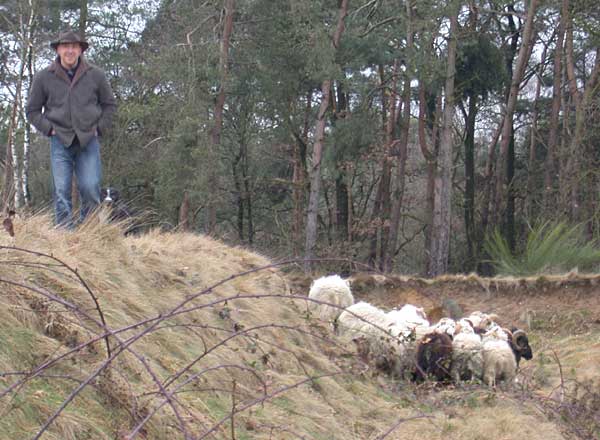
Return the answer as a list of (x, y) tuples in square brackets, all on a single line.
[(110, 195)]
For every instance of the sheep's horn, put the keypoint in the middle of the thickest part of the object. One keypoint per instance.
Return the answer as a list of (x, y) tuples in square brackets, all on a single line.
[(518, 334)]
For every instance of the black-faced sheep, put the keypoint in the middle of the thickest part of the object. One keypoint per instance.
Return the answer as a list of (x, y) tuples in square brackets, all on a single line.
[(332, 290), (519, 342)]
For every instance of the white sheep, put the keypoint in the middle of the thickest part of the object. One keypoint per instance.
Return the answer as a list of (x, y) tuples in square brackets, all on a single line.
[(467, 354), (332, 290), (482, 320), (376, 334), (464, 323), (445, 325), (362, 318), (499, 362), (409, 315), (410, 321)]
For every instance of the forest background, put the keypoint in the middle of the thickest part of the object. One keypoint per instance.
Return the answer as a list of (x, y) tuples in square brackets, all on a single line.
[(397, 134)]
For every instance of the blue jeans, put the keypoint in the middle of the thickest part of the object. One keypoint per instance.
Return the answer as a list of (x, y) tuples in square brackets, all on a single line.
[(85, 161)]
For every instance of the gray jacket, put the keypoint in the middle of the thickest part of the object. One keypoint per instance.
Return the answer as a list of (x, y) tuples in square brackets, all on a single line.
[(81, 107)]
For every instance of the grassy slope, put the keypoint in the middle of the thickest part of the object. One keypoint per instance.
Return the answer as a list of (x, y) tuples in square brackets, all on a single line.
[(266, 374)]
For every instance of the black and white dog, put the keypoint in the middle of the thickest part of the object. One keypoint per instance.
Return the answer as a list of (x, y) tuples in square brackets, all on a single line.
[(119, 211)]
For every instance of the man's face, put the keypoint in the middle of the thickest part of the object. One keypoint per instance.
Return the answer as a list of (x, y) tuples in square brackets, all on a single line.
[(68, 53)]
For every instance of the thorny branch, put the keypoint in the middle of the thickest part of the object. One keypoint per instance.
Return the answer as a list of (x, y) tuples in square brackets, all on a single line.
[(166, 389)]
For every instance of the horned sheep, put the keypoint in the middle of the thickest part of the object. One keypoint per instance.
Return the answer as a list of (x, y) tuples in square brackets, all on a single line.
[(404, 344), (502, 351)]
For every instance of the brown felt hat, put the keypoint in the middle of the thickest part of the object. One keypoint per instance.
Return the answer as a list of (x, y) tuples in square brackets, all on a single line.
[(70, 37)]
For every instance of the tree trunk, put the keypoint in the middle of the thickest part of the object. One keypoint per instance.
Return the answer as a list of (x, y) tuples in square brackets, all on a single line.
[(393, 148), (430, 155), (247, 193), (27, 126), (315, 176), (531, 198), (229, 7), (15, 158), (11, 187), (315, 170), (184, 212), (239, 197), (488, 187), (382, 197), (83, 17), (550, 169), (440, 238), (402, 147), (8, 189), (349, 172), (341, 187), (509, 216), (299, 177), (469, 207), (576, 148), (502, 173)]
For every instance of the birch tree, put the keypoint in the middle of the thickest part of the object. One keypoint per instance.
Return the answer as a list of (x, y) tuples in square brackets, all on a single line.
[(14, 191)]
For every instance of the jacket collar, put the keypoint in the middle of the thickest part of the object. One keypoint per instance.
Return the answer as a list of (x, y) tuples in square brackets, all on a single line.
[(57, 68)]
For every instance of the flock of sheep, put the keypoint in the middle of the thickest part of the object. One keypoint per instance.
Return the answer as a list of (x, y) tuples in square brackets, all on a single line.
[(404, 344)]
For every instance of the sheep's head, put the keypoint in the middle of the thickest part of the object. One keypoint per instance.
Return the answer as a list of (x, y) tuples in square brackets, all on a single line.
[(413, 310), (520, 345)]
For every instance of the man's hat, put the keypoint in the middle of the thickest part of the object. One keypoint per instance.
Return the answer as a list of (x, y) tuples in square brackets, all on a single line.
[(70, 37)]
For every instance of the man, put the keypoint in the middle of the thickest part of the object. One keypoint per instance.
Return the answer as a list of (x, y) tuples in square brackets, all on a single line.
[(72, 102)]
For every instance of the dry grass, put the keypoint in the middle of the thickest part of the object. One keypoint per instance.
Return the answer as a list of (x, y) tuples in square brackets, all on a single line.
[(240, 348)]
